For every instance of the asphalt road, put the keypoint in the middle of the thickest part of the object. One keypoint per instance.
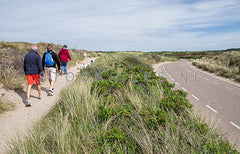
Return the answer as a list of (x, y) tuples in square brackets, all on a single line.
[(216, 100)]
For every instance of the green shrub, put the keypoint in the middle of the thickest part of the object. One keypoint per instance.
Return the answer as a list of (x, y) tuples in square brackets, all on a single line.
[(154, 117), (115, 134), (106, 87), (106, 112)]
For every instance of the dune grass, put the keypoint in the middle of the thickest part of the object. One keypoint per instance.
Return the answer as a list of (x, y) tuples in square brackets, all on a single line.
[(140, 115), (6, 106), (226, 65), (10, 79)]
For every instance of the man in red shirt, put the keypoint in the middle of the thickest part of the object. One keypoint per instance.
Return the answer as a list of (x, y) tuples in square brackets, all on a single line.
[(64, 56)]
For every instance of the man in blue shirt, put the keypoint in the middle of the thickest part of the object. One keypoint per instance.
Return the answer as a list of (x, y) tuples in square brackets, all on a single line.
[(32, 68)]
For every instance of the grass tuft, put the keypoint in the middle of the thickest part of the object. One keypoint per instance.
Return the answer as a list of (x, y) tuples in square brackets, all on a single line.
[(6, 106)]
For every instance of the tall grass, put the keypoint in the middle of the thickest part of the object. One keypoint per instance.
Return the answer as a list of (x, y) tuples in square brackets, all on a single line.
[(10, 79), (129, 119), (6, 106), (76, 56), (156, 57), (226, 65)]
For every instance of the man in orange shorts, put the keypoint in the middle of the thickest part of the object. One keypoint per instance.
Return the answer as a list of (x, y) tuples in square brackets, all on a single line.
[(32, 68)]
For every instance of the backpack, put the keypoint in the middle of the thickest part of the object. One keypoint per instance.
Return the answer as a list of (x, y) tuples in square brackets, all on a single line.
[(48, 59)]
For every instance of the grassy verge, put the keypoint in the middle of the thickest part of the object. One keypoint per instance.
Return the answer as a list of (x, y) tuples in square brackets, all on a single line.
[(10, 79), (155, 57), (76, 57), (6, 106), (226, 65), (128, 110)]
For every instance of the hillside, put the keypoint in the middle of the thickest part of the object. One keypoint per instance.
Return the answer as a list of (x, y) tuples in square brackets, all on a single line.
[(124, 108)]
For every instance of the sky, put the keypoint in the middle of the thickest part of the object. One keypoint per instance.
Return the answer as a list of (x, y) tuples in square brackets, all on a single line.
[(120, 25)]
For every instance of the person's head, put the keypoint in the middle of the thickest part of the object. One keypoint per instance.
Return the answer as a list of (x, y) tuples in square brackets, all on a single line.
[(34, 48), (65, 46), (49, 47)]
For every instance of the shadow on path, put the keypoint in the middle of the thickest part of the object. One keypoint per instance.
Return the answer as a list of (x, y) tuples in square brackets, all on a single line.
[(23, 94)]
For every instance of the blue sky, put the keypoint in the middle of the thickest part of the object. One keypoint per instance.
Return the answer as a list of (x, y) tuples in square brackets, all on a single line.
[(143, 25)]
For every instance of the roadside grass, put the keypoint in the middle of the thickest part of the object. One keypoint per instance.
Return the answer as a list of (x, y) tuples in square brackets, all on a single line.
[(130, 110), (10, 79), (155, 57), (226, 65), (76, 57), (6, 106), (193, 54)]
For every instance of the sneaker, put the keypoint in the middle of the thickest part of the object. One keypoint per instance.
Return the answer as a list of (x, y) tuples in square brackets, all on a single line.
[(40, 97), (50, 92), (28, 103)]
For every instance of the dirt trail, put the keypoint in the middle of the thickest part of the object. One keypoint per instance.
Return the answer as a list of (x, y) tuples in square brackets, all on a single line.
[(19, 121)]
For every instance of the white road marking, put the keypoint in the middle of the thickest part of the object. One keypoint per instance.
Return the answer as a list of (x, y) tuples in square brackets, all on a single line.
[(211, 108), (195, 97), (184, 89), (228, 88), (164, 68), (234, 125), (177, 83), (172, 79), (206, 79)]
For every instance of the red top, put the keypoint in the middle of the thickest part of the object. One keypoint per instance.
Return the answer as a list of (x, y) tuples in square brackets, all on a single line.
[(64, 55)]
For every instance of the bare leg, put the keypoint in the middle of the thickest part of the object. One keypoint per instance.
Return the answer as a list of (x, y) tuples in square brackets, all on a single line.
[(52, 84), (29, 92), (39, 89)]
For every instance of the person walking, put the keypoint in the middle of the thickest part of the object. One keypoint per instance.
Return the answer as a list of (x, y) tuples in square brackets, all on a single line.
[(32, 68), (64, 56), (50, 59)]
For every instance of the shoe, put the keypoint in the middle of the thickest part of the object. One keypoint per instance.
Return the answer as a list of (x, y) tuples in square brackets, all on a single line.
[(28, 103), (40, 97), (50, 92)]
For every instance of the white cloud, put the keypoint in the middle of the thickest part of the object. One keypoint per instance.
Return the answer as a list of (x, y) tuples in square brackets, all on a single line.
[(121, 25)]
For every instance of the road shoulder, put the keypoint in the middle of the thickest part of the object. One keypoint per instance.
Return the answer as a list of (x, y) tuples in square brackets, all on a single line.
[(230, 81)]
